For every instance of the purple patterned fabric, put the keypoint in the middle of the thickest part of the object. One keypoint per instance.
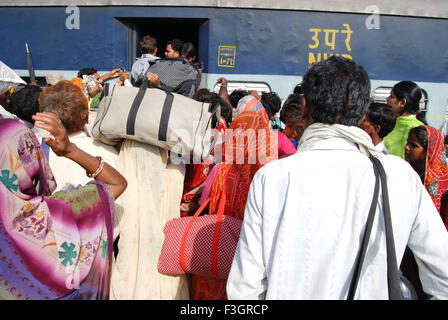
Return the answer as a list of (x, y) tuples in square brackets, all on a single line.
[(51, 246)]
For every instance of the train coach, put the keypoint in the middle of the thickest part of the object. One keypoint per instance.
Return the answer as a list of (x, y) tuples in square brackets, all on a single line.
[(262, 45)]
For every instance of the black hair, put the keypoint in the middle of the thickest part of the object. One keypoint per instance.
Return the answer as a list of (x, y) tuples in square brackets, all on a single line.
[(411, 92), (24, 102), (271, 102), (188, 50), (337, 90), (383, 115), (421, 115), (293, 104), (298, 89), (148, 45), (205, 95), (176, 44), (236, 95), (421, 134), (87, 72)]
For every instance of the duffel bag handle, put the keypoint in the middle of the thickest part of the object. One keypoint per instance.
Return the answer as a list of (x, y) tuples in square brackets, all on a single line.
[(130, 124)]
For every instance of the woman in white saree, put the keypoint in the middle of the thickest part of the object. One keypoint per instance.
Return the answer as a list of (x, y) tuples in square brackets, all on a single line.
[(153, 198)]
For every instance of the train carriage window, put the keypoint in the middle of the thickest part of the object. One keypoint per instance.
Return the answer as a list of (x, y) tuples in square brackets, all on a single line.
[(244, 85), (380, 95)]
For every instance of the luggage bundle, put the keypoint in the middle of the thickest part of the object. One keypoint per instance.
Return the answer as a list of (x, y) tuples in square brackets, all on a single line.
[(151, 115), (176, 75)]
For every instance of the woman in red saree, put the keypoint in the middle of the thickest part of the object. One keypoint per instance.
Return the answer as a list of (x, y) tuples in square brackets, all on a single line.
[(248, 146), (196, 174), (426, 154)]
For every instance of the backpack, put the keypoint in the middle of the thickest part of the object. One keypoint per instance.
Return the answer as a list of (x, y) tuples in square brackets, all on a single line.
[(176, 75)]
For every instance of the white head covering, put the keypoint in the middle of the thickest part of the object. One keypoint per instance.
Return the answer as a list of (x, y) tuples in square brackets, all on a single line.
[(54, 77), (8, 78)]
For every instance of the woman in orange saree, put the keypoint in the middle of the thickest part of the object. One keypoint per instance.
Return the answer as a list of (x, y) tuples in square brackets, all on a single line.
[(248, 146)]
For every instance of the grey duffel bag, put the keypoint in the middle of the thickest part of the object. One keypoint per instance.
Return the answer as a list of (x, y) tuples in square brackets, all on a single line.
[(164, 119)]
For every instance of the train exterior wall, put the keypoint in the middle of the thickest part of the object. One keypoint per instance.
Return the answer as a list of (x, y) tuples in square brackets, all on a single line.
[(254, 44)]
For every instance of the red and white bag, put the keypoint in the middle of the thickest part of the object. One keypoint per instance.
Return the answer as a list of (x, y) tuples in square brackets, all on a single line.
[(200, 245)]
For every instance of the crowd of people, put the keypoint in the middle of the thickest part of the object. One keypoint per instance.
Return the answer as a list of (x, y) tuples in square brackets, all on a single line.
[(84, 220)]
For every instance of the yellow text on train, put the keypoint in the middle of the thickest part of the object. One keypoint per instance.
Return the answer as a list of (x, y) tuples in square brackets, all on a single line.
[(329, 37)]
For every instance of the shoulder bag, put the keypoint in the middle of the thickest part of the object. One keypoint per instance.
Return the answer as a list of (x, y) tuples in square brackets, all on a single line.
[(399, 287)]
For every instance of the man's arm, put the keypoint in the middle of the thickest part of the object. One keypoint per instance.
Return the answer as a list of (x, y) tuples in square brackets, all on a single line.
[(223, 93), (247, 278), (112, 74)]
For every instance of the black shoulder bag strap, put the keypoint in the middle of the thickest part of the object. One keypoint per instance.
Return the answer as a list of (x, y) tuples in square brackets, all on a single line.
[(393, 277), (130, 124), (393, 280), (166, 111), (365, 240)]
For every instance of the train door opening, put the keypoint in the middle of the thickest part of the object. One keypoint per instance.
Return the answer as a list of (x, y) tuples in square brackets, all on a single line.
[(165, 29)]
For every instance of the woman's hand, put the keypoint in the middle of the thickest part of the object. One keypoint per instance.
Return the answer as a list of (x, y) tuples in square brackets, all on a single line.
[(61, 144)]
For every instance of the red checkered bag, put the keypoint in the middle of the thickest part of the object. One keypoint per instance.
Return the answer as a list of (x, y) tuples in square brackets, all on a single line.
[(201, 245)]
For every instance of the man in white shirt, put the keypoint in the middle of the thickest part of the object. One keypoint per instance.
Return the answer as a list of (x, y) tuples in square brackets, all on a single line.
[(306, 214)]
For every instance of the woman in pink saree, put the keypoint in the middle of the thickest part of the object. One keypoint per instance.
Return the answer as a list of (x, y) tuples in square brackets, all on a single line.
[(53, 246)]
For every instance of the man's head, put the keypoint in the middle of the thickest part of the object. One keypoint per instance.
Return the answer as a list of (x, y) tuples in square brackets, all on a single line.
[(336, 91), (67, 101), (188, 51), (173, 48), (148, 45), (89, 72), (236, 95), (379, 121)]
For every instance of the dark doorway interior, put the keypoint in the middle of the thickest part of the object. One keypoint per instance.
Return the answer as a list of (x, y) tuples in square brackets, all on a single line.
[(163, 29)]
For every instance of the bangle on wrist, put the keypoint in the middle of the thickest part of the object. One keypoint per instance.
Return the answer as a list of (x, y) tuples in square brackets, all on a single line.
[(224, 85), (98, 170)]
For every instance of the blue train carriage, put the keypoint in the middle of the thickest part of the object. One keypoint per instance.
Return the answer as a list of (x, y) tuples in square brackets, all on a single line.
[(266, 45)]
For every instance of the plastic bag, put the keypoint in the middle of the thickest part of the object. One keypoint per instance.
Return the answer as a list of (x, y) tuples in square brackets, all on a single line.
[(8, 78), (407, 289)]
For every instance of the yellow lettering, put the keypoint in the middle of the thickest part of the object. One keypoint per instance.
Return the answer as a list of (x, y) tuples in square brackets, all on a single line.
[(349, 32), (328, 55), (315, 38), (347, 56), (333, 37), (312, 59)]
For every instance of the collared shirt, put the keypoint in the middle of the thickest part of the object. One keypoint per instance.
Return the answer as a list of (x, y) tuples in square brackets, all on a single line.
[(141, 65), (304, 219), (381, 147)]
